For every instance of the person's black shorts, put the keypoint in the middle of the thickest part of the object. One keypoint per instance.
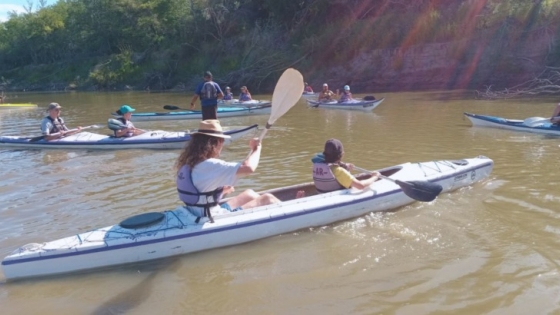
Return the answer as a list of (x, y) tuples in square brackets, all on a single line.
[(210, 112)]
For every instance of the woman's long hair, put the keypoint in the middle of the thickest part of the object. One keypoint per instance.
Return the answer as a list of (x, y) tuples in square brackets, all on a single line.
[(200, 148)]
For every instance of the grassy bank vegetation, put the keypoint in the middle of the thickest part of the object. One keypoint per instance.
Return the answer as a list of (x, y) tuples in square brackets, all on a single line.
[(167, 44)]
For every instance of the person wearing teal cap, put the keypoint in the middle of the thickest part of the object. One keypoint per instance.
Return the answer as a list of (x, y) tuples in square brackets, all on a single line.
[(128, 129)]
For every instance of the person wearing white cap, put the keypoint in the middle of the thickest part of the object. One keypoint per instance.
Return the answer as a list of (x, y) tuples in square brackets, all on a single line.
[(345, 96), (308, 89), (202, 178), (325, 95), (53, 127), (228, 96)]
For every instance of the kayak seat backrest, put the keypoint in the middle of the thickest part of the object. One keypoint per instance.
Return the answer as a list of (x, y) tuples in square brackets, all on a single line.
[(460, 162), (289, 193), (142, 220), (390, 171)]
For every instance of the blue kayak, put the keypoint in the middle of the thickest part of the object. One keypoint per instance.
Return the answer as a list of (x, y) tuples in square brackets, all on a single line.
[(532, 124), (195, 114)]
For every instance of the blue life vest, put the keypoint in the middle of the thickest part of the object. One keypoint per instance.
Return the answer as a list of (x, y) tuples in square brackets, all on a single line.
[(192, 197), (345, 97), (323, 176), (228, 96), (243, 97)]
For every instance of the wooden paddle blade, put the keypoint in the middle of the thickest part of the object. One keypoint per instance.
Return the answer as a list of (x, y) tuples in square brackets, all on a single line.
[(420, 190), (286, 94), (35, 139)]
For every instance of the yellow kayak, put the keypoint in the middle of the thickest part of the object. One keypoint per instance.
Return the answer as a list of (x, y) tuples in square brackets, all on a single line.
[(16, 106)]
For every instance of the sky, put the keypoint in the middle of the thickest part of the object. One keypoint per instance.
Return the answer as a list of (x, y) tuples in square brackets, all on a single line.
[(7, 6)]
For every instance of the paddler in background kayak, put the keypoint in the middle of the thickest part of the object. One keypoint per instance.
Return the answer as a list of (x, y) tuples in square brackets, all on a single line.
[(128, 129), (228, 96), (202, 178), (331, 174), (53, 127), (345, 96), (555, 118), (325, 95), (245, 95)]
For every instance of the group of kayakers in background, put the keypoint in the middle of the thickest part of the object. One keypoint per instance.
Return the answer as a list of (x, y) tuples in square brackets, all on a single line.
[(203, 179), (327, 95)]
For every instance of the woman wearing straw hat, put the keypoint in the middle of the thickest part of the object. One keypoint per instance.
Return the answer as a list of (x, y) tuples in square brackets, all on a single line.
[(202, 178)]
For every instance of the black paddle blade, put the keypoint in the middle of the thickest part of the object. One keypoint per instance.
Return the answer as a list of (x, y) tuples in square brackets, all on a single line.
[(170, 107), (420, 190), (35, 139)]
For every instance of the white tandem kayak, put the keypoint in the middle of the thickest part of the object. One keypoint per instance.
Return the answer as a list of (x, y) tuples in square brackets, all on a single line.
[(350, 105), (222, 112), (174, 232), (156, 139)]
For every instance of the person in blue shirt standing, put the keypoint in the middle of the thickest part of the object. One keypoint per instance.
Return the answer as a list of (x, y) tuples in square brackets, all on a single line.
[(209, 92)]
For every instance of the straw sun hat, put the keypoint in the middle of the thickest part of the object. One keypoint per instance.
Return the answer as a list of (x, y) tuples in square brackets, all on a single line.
[(211, 127)]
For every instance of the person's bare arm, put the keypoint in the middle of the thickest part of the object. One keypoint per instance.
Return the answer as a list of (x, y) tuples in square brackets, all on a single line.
[(193, 100), (362, 184), (252, 161)]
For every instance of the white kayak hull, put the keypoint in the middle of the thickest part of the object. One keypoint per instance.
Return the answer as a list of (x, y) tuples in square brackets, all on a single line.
[(156, 139), (184, 115), (178, 233), (308, 95), (354, 105)]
